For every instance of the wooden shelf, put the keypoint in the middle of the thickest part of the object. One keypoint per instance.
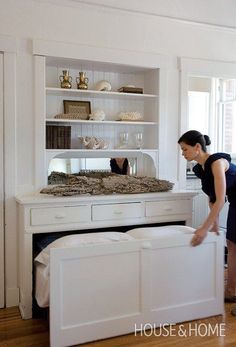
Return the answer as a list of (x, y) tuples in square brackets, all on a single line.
[(97, 94), (92, 122), (96, 151)]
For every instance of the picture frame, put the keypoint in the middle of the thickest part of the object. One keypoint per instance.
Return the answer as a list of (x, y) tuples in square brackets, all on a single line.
[(79, 109)]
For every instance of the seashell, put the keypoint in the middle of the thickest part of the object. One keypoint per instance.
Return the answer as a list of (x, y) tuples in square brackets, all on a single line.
[(103, 86), (91, 142), (97, 115)]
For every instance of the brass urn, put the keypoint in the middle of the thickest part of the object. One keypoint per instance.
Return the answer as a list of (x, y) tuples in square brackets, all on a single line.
[(65, 79), (82, 81)]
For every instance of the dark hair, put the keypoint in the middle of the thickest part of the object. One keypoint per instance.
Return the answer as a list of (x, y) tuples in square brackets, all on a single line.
[(192, 137)]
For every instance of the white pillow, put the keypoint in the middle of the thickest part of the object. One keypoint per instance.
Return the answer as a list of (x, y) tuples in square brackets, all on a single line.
[(81, 239), (157, 232)]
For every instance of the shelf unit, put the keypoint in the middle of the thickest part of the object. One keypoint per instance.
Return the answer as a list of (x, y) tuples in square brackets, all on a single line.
[(120, 69)]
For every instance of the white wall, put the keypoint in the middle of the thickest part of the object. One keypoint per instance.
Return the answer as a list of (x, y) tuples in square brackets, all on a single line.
[(104, 27)]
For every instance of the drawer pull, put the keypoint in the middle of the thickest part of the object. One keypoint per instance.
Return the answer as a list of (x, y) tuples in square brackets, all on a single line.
[(118, 212), (168, 209), (59, 216)]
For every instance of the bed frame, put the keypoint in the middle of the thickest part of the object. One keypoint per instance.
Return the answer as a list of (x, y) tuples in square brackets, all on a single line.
[(105, 290)]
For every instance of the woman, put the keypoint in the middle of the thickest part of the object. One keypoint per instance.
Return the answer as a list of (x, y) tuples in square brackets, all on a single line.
[(218, 177), (119, 166)]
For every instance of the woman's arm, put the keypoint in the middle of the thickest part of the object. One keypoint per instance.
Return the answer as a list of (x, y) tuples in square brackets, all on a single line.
[(218, 169), (215, 226)]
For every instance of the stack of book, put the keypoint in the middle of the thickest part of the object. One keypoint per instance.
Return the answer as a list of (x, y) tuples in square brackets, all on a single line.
[(130, 90), (58, 137)]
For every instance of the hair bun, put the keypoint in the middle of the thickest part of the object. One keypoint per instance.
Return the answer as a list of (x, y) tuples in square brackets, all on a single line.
[(207, 140)]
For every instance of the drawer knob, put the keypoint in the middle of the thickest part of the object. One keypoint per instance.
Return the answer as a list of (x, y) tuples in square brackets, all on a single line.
[(59, 216)]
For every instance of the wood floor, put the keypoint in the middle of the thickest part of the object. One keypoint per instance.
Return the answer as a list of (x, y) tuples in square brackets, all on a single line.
[(16, 332)]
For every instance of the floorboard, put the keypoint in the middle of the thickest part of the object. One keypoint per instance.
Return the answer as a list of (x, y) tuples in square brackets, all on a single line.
[(16, 332)]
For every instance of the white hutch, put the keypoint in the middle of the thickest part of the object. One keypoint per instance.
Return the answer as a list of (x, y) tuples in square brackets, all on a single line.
[(43, 214)]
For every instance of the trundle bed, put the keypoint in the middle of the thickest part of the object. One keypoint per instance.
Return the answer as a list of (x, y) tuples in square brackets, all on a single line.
[(108, 288)]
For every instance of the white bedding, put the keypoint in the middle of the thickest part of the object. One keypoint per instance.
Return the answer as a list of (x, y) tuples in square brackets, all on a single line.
[(160, 232), (42, 260)]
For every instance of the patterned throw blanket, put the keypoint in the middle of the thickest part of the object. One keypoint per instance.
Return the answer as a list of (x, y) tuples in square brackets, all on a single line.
[(67, 185)]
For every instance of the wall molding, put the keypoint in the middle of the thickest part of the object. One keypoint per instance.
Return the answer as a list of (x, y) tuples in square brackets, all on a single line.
[(207, 68), (117, 9), (71, 50), (8, 47)]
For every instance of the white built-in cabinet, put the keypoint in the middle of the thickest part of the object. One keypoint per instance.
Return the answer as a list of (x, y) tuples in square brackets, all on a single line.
[(40, 213), (143, 72)]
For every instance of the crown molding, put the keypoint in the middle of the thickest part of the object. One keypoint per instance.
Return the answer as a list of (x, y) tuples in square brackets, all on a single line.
[(90, 4)]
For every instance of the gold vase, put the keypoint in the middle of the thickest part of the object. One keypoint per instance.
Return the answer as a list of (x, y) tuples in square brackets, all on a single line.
[(82, 81), (65, 79)]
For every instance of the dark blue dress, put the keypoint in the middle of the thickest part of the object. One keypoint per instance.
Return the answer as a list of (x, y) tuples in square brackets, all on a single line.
[(207, 180), (116, 169)]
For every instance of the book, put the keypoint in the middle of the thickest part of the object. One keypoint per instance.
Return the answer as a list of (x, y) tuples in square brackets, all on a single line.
[(130, 90), (58, 137)]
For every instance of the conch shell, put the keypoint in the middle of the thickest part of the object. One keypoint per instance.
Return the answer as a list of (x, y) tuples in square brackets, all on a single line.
[(103, 86)]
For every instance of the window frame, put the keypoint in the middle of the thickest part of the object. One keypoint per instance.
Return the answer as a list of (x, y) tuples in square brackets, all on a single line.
[(190, 67)]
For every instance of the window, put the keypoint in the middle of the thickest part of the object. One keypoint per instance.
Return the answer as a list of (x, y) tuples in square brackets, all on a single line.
[(227, 115), (213, 112), (198, 110)]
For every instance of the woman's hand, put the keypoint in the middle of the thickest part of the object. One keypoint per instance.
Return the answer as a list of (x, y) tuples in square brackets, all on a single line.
[(198, 237), (215, 228)]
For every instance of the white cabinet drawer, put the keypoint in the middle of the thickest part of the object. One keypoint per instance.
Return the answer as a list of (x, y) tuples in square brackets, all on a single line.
[(117, 211), (163, 208), (60, 215)]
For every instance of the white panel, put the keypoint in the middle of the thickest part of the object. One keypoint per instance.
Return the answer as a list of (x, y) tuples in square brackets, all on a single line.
[(98, 54), (194, 280), (39, 114), (122, 300), (117, 211), (7, 181), (92, 286), (160, 208), (99, 291), (10, 110), (1, 189), (60, 215)]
